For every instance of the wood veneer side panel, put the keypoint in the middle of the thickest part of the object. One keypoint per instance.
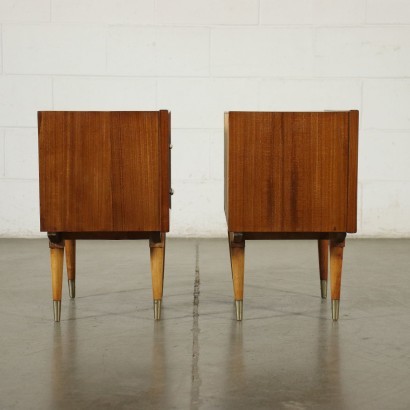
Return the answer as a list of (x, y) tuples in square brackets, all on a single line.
[(226, 166), (287, 172), (165, 167), (41, 173), (75, 192), (50, 199), (72, 170), (254, 170), (267, 188), (351, 225), (314, 173), (235, 171), (135, 177), (99, 171), (332, 173), (88, 193)]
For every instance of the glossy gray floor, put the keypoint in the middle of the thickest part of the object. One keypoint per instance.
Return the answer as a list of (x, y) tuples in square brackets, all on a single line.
[(107, 352)]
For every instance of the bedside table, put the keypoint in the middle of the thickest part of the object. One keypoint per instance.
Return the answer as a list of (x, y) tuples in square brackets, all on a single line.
[(291, 175), (104, 175)]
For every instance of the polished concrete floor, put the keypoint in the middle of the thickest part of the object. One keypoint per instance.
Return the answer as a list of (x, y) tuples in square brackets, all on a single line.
[(107, 352)]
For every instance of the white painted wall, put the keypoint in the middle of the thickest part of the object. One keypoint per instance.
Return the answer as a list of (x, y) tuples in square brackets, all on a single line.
[(199, 58)]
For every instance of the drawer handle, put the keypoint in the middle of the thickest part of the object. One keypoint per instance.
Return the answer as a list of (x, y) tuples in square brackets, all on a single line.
[(171, 192), (170, 146)]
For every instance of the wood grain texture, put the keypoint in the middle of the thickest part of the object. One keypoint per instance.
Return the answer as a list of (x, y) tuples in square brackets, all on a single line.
[(57, 263), (353, 165), (226, 164), (70, 258), (237, 254), (101, 171), (323, 251), (157, 256), (336, 264), (165, 167), (287, 172), (288, 235), (105, 235)]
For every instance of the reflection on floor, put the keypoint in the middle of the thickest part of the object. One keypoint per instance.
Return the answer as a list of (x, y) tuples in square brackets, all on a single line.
[(107, 352)]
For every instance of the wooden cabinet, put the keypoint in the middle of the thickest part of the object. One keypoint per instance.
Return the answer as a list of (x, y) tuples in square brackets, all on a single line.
[(291, 175), (104, 175)]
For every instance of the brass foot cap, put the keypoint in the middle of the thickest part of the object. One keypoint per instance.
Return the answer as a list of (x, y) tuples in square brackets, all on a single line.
[(71, 288), (239, 309), (335, 309), (157, 309), (57, 310), (323, 288)]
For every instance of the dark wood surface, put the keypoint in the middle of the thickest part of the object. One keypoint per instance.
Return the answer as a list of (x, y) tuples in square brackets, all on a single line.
[(260, 236), (352, 177), (104, 171), (110, 235), (291, 172), (165, 168)]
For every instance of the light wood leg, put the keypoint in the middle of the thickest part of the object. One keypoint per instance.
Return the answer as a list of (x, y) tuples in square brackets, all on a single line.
[(57, 262), (70, 248), (230, 253), (323, 248), (157, 254), (237, 253), (336, 262)]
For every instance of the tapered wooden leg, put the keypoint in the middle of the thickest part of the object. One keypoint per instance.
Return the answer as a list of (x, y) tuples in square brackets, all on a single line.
[(230, 253), (323, 248), (57, 262), (157, 253), (70, 246), (336, 262), (237, 253)]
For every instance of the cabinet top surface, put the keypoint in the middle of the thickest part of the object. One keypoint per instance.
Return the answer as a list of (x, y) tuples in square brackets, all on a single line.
[(288, 112), (100, 112)]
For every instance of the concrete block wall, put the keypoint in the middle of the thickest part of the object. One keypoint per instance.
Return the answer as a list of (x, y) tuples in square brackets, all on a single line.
[(200, 58)]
